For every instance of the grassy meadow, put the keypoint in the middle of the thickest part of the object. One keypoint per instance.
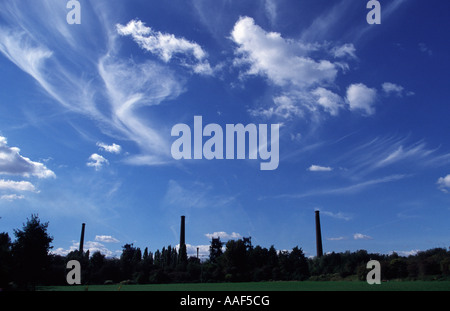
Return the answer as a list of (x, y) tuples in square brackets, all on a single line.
[(265, 286)]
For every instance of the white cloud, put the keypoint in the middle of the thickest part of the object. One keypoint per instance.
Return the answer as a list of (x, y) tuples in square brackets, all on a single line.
[(17, 185), (11, 197), (106, 239), (284, 107), (115, 101), (90, 246), (27, 57), (223, 235), (130, 87), (425, 49), (412, 252), (381, 152), (338, 215), (444, 183), (282, 61), (346, 50), (13, 163), (191, 250), (392, 89), (402, 152), (270, 7), (344, 190), (318, 168), (114, 148), (166, 46), (97, 161), (328, 100), (360, 236), (361, 98), (296, 137), (96, 246), (340, 238), (303, 79)]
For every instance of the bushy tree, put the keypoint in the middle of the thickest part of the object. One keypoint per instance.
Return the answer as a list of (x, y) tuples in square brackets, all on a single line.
[(30, 252), (5, 259), (235, 260), (215, 249)]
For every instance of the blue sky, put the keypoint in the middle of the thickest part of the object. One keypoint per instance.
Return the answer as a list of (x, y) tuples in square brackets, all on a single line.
[(86, 112)]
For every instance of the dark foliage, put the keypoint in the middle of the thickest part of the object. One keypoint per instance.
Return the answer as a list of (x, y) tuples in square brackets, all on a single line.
[(27, 262)]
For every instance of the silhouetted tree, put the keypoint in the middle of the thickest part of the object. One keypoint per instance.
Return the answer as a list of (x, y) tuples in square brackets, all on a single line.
[(31, 252), (182, 257), (96, 268), (5, 260), (129, 259), (215, 249), (235, 260)]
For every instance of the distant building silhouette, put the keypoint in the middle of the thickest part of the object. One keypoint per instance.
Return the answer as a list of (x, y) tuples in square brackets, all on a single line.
[(82, 238), (182, 232), (318, 236)]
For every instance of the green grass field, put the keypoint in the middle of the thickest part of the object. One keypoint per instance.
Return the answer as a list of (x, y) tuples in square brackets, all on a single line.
[(267, 286)]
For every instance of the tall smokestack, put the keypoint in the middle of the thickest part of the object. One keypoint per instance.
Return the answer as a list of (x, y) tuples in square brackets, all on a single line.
[(318, 236), (82, 238), (182, 234)]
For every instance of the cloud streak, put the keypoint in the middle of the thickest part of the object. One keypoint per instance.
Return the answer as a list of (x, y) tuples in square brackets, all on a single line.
[(318, 168), (386, 152), (94, 80), (351, 189)]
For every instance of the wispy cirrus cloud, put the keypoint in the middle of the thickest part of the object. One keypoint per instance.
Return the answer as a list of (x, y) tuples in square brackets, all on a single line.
[(131, 87), (338, 215), (383, 152), (350, 189), (339, 238), (346, 50), (195, 195), (94, 80)]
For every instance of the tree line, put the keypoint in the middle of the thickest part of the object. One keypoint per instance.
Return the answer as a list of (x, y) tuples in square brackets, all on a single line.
[(27, 262)]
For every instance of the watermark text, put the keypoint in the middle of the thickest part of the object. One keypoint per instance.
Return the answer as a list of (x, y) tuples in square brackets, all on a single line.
[(237, 138)]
